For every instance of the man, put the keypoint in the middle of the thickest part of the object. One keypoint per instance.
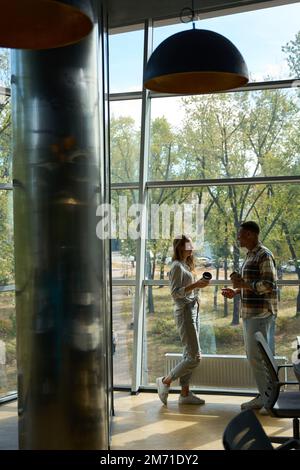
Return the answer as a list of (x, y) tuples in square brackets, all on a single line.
[(258, 290)]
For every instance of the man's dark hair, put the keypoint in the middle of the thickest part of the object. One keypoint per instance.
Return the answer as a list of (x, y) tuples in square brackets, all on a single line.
[(251, 226)]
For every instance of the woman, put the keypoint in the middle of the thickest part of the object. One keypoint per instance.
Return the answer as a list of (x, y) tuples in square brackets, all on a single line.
[(184, 290)]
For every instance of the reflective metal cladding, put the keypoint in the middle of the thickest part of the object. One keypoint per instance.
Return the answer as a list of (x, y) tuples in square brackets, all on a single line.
[(60, 273)]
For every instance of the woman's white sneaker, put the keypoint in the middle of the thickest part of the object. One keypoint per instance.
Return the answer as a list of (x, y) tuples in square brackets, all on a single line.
[(162, 390)]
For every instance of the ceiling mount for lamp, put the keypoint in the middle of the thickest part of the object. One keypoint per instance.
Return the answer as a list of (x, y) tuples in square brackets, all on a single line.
[(42, 24), (195, 61)]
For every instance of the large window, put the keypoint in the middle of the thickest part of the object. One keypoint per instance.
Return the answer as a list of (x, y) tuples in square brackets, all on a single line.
[(229, 135), (211, 162), (218, 336), (221, 209), (8, 368)]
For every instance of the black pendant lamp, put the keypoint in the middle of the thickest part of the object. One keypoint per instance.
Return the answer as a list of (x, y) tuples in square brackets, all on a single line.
[(195, 61), (42, 24)]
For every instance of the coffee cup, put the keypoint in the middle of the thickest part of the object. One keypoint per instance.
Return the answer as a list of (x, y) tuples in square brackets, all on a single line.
[(235, 275), (206, 276)]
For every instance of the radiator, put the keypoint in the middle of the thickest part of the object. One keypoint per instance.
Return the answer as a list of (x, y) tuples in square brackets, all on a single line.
[(218, 371)]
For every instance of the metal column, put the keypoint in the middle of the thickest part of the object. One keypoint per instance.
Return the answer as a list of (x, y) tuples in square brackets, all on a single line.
[(61, 280)]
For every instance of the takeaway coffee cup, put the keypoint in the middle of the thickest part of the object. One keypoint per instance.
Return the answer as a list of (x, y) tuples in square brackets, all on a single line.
[(235, 275), (206, 276)]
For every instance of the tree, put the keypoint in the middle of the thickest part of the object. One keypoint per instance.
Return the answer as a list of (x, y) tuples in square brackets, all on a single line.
[(6, 234), (292, 49), (241, 135), (223, 136), (125, 150), (163, 163)]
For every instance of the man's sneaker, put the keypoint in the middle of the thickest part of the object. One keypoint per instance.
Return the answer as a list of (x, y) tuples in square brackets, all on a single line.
[(162, 390), (263, 411), (191, 399), (255, 404)]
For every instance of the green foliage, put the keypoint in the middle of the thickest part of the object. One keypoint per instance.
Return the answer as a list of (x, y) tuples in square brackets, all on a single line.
[(292, 49), (11, 352), (6, 236), (282, 324), (5, 120), (288, 293), (7, 329), (4, 67), (165, 329), (228, 335), (125, 149), (6, 239), (13, 321)]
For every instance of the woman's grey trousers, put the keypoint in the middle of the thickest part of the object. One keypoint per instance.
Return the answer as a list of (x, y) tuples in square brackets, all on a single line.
[(188, 324)]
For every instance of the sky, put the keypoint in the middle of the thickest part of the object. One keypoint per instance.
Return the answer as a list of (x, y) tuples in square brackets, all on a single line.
[(259, 35)]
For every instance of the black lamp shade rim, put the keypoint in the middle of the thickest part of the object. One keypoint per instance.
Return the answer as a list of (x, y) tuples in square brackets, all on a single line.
[(196, 82)]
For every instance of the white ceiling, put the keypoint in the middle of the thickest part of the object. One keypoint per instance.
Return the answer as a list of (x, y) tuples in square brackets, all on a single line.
[(128, 12)]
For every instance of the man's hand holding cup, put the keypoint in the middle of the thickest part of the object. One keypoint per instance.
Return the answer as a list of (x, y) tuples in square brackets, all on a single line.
[(237, 282)]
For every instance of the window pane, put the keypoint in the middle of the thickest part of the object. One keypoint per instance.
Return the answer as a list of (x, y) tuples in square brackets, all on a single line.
[(218, 335), (125, 134), (288, 324), (123, 304), (262, 49), (160, 335), (229, 135), (8, 363), (126, 61), (212, 216), (123, 244), (5, 68), (5, 137), (6, 238)]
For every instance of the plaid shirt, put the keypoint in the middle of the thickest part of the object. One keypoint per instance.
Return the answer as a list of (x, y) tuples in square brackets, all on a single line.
[(259, 270)]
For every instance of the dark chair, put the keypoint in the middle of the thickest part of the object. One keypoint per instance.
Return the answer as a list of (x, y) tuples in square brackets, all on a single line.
[(296, 364), (281, 403), (244, 432)]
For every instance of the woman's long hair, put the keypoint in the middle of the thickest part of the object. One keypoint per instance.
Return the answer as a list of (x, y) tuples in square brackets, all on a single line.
[(178, 244)]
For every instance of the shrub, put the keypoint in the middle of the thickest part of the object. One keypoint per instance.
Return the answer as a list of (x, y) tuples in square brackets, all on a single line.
[(166, 329), (6, 328), (227, 335)]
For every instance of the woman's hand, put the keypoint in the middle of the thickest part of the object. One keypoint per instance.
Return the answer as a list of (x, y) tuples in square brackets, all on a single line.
[(228, 293), (202, 283)]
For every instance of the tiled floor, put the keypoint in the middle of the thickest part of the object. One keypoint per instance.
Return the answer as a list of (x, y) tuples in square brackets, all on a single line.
[(142, 422)]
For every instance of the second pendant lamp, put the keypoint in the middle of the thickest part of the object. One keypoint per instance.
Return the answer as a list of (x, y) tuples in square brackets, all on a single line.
[(43, 24), (193, 62)]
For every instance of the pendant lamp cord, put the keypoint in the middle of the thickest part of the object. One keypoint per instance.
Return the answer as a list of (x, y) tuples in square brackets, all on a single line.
[(187, 15), (193, 14)]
